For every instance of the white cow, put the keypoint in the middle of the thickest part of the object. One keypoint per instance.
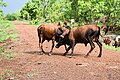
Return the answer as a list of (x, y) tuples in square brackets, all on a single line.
[(117, 41)]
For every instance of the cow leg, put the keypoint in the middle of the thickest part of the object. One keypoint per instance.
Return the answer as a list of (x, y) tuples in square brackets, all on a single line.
[(73, 45), (52, 47), (67, 50), (92, 46), (115, 44), (100, 46), (42, 45), (65, 47)]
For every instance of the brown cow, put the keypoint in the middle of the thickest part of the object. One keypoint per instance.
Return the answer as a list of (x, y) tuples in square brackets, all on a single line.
[(47, 32), (107, 41), (83, 34)]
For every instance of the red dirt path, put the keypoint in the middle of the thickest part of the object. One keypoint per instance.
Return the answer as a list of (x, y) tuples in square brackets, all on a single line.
[(30, 65)]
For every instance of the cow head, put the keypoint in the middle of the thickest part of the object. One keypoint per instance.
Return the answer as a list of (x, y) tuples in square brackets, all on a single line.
[(60, 39), (60, 43), (58, 34)]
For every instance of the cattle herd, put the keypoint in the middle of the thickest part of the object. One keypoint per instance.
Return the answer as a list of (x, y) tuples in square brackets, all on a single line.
[(64, 35), (112, 40)]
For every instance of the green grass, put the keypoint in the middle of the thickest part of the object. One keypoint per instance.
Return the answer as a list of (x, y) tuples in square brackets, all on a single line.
[(112, 48), (7, 33), (10, 55), (7, 74), (1, 50), (7, 30)]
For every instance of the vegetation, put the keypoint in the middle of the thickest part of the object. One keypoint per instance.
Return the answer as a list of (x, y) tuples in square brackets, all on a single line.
[(2, 4), (7, 34), (112, 48), (7, 74), (84, 11), (7, 31), (14, 16)]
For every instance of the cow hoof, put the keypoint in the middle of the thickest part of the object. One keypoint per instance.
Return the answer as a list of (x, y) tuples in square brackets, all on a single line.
[(64, 54), (49, 54), (85, 56), (99, 56), (69, 56), (43, 51)]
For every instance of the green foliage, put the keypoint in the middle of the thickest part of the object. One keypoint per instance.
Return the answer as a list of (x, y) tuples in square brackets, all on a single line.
[(2, 3), (84, 11), (14, 16), (7, 31), (9, 56), (1, 15), (36, 22), (29, 11), (11, 17), (112, 48), (1, 50), (6, 74)]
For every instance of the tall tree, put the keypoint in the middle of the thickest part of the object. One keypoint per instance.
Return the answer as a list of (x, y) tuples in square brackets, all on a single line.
[(74, 6)]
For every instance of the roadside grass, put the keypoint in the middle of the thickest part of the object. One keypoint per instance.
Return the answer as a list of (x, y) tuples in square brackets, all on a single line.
[(112, 48), (7, 30), (10, 55), (7, 34), (7, 75)]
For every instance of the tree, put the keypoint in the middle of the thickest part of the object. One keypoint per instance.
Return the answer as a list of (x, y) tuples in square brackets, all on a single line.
[(74, 6), (85, 11), (29, 11), (13, 16), (2, 4)]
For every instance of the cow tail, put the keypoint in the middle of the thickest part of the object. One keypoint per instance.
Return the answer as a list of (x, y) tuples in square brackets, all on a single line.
[(40, 31)]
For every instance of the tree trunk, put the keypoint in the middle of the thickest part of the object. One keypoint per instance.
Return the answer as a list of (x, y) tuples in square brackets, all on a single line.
[(44, 8)]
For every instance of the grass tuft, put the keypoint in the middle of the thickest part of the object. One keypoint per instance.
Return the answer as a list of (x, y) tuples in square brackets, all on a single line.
[(111, 47), (7, 31), (9, 56)]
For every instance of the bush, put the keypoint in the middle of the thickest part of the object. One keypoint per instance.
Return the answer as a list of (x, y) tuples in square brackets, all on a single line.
[(11, 17)]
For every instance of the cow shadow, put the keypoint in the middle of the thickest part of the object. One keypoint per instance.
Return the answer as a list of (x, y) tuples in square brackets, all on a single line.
[(53, 53), (40, 53)]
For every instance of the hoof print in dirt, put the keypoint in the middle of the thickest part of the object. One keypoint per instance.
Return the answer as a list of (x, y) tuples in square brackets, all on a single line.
[(39, 63), (78, 64), (85, 56), (12, 78), (82, 64)]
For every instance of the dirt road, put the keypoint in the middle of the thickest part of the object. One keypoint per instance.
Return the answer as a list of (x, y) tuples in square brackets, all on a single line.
[(30, 65)]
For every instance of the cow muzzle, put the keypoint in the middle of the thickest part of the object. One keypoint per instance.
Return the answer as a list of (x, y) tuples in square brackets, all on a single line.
[(57, 46)]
